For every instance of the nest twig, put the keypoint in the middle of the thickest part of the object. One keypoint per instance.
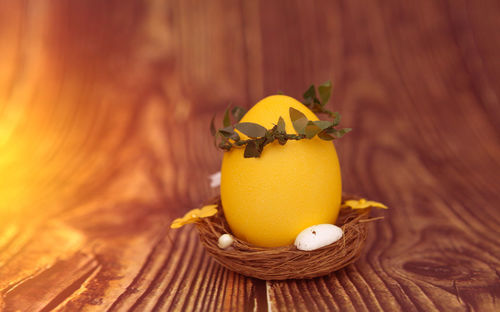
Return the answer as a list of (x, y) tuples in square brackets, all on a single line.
[(286, 262)]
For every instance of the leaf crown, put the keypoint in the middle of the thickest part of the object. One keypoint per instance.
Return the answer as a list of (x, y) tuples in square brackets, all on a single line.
[(227, 138)]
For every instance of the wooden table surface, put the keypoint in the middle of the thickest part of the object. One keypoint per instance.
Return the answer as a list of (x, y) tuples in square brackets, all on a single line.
[(104, 113)]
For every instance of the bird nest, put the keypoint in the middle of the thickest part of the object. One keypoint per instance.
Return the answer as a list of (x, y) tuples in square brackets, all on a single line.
[(286, 262)]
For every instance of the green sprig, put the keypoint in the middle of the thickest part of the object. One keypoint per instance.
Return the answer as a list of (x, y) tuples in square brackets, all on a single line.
[(227, 138), (317, 105)]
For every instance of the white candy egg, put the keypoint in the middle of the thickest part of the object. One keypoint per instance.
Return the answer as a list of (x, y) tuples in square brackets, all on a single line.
[(225, 240), (317, 236)]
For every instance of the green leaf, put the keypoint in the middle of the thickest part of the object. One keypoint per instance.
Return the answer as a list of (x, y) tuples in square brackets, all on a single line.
[(299, 120), (323, 124), (325, 90), (251, 150), (300, 125), (310, 94), (311, 130), (216, 137), (296, 114), (238, 113), (225, 146), (251, 129), (224, 143), (229, 133), (340, 133), (226, 121), (336, 118), (325, 136), (281, 125)]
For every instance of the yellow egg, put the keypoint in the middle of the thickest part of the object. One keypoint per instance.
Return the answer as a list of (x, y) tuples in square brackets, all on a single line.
[(268, 201)]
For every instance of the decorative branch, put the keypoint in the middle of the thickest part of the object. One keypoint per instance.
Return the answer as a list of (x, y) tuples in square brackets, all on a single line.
[(227, 138)]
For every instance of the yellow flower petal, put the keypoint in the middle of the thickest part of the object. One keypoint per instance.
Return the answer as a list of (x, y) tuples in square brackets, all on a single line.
[(378, 205), (179, 222), (363, 204), (194, 215), (356, 204), (208, 211)]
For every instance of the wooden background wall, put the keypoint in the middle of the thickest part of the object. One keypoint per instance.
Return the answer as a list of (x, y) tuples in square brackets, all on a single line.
[(104, 112)]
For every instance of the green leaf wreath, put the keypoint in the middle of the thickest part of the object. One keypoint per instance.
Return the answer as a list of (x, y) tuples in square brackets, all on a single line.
[(227, 138)]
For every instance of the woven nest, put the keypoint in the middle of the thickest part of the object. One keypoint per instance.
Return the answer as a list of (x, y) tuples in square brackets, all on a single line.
[(286, 262)]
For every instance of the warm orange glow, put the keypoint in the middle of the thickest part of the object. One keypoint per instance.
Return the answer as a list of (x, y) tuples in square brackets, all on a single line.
[(56, 109)]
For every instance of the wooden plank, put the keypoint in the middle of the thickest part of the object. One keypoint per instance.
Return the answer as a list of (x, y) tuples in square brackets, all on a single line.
[(104, 108)]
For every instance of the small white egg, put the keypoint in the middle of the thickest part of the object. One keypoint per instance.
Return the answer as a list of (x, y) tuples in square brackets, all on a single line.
[(225, 241), (317, 236)]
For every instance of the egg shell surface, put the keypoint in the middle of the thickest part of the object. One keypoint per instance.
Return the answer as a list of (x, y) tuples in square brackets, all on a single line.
[(268, 200), (318, 236)]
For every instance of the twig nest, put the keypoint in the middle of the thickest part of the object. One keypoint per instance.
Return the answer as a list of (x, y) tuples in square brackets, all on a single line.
[(286, 262), (318, 236)]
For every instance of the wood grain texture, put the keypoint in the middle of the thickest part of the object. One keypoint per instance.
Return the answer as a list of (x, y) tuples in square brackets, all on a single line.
[(104, 112)]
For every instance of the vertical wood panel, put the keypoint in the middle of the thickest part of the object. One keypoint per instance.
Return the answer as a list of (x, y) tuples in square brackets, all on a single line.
[(104, 112)]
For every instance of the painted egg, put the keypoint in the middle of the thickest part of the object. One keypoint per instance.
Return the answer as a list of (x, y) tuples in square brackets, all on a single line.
[(268, 200)]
